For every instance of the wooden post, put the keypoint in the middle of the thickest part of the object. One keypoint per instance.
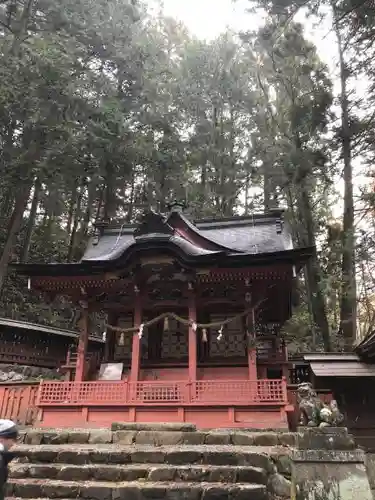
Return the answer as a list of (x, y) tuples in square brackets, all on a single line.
[(110, 339), (192, 338), (82, 344), (251, 349), (285, 365), (136, 346)]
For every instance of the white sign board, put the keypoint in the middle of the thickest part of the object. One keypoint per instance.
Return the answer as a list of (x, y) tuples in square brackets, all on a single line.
[(111, 371)]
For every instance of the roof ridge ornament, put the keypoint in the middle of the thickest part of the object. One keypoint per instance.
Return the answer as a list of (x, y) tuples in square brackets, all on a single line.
[(177, 205), (152, 222)]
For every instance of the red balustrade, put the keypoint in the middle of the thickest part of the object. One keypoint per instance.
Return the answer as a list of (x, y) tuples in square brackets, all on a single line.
[(259, 391), (247, 392)]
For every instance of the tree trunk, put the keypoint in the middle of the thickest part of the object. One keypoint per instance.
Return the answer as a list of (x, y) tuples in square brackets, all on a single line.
[(22, 25), (129, 215), (267, 190), (72, 202), (109, 207), (247, 193), (73, 236), (81, 236), (348, 309), (313, 273), (31, 221), (13, 227), (7, 203)]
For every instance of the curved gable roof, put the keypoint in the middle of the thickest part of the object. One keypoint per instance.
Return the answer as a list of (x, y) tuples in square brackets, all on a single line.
[(251, 235), (235, 241)]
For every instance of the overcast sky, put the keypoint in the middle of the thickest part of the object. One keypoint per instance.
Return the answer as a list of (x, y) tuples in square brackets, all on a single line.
[(208, 18)]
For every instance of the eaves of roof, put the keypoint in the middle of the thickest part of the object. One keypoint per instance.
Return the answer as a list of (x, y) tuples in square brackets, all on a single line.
[(34, 327)]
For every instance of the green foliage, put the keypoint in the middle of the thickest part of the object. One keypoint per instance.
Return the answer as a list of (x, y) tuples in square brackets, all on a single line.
[(104, 109)]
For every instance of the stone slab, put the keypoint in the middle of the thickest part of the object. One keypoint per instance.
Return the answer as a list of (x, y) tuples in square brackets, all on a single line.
[(370, 466), (328, 456), (147, 434), (135, 490), (330, 481), (176, 455), (326, 438), (144, 472), (131, 426), (326, 466), (343, 431)]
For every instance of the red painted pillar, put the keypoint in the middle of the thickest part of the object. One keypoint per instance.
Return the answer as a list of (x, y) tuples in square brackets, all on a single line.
[(192, 338), (252, 363), (82, 344), (251, 348), (136, 346)]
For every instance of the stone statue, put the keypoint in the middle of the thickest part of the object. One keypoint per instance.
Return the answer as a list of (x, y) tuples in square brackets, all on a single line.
[(313, 412), (337, 417), (309, 405)]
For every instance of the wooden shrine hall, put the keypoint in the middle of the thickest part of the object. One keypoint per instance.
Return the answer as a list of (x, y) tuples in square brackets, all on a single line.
[(194, 314)]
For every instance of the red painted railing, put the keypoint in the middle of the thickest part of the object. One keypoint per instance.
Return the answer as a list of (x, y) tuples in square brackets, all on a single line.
[(259, 392)]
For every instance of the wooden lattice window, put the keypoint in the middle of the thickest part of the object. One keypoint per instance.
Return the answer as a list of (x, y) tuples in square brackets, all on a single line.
[(232, 343)]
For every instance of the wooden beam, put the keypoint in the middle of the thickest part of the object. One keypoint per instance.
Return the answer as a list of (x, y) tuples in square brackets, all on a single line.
[(192, 338), (251, 346)]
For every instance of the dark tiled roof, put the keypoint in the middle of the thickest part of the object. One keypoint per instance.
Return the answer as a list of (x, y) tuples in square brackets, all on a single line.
[(366, 347), (343, 369), (330, 357), (112, 246), (248, 236), (229, 242), (251, 235)]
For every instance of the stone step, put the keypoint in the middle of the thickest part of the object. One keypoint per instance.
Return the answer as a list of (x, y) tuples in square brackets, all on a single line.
[(135, 472), (164, 427), (174, 435), (255, 456), (41, 489)]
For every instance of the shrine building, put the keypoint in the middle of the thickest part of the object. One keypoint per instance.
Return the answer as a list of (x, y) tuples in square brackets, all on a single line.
[(194, 316)]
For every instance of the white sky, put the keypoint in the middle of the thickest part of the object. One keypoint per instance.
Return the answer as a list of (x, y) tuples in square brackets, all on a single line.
[(208, 18)]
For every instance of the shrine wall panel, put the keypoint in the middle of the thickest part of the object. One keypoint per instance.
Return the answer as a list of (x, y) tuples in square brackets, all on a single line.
[(175, 374), (107, 416), (156, 415), (204, 373), (175, 341), (60, 417), (124, 341), (223, 373), (208, 418), (233, 342), (265, 419)]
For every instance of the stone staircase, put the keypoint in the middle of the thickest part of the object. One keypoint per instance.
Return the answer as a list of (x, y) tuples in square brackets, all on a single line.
[(139, 462)]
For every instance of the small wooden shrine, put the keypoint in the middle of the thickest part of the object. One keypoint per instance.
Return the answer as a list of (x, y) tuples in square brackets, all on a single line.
[(194, 313), (30, 344)]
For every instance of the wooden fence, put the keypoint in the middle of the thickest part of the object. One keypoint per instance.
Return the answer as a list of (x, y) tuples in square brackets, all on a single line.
[(18, 402)]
